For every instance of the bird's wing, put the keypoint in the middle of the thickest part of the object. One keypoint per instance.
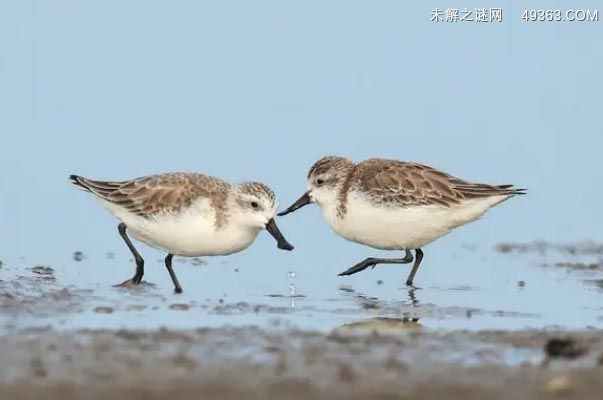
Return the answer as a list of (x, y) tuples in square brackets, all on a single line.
[(156, 194), (409, 184)]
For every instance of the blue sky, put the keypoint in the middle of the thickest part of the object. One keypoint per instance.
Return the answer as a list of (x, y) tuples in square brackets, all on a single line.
[(260, 90)]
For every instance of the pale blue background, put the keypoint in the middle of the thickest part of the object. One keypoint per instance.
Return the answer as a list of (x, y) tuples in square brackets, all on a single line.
[(252, 90)]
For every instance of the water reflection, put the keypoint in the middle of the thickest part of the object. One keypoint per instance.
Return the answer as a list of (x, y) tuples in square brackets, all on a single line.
[(367, 302), (381, 325), (304, 298)]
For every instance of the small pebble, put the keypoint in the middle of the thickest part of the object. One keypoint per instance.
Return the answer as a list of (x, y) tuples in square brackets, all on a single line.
[(379, 282), (42, 270), (521, 283), (504, 248), (103, 310), (564, 348), (78, 256), (558, 385), (179, 306)]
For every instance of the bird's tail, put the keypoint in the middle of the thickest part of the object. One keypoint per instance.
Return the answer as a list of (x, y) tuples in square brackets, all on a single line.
[(80, 182), (510, 189), (477, 190), (102, 189)]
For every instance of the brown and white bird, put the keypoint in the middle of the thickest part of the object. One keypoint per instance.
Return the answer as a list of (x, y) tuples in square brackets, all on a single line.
[(187, 214), (395, 205)]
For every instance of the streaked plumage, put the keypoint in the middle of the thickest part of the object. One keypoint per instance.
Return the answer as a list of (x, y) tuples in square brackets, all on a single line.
[(188, 214), (395, 205), (170, 193)]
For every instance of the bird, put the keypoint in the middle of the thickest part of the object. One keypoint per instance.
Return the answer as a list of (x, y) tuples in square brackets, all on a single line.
[(186, 214), (389, 204)]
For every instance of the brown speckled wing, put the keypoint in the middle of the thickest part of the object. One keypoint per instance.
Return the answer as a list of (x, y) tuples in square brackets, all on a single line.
[(158, 194), (404, 184)]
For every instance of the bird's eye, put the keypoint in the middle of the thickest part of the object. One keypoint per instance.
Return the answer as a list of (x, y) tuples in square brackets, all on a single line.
[(254, 205), (320, 182)]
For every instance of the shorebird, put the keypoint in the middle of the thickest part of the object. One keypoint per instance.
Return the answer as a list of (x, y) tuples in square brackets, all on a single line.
[(395, 205), (186, 214)]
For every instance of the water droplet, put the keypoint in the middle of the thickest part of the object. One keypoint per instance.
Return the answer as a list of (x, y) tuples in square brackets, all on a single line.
[(291, 274), (292, 290)]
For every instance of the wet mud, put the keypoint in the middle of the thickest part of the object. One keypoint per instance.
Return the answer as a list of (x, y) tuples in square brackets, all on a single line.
[(542, 247), (382, 359), (64, 337)]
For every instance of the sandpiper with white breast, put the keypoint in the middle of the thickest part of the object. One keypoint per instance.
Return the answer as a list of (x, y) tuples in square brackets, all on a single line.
[(395, 205), (187, 214)]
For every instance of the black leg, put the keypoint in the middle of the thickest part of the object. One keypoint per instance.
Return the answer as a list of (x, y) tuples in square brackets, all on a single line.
[(415, 268), (168, 265), (372, 262), (137, 278)]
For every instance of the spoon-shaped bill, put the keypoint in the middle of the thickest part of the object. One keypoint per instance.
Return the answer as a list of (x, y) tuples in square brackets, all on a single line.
[(302, 201), (281, 242)]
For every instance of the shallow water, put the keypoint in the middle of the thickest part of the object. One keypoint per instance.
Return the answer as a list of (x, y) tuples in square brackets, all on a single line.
[(475, 290)]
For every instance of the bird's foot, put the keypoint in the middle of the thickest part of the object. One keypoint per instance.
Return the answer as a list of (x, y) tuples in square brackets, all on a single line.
[(128, 283), (410, 286), (134, 283), (361, 266)]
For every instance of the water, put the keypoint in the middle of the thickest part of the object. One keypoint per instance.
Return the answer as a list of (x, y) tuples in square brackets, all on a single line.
[(479, 290)]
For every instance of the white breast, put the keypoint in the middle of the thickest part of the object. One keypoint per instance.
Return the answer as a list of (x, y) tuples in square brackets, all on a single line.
[(391, 228), (190, 233)]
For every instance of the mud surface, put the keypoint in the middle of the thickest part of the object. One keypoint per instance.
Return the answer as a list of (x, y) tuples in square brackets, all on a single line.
[(377, 359), (541, 247), (527, 323)]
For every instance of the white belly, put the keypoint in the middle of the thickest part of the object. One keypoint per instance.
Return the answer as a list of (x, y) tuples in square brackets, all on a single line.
[(191, 233), (393, 228)]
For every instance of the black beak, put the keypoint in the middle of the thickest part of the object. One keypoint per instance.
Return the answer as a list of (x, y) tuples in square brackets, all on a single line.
[(281, 242), (302, 201)]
